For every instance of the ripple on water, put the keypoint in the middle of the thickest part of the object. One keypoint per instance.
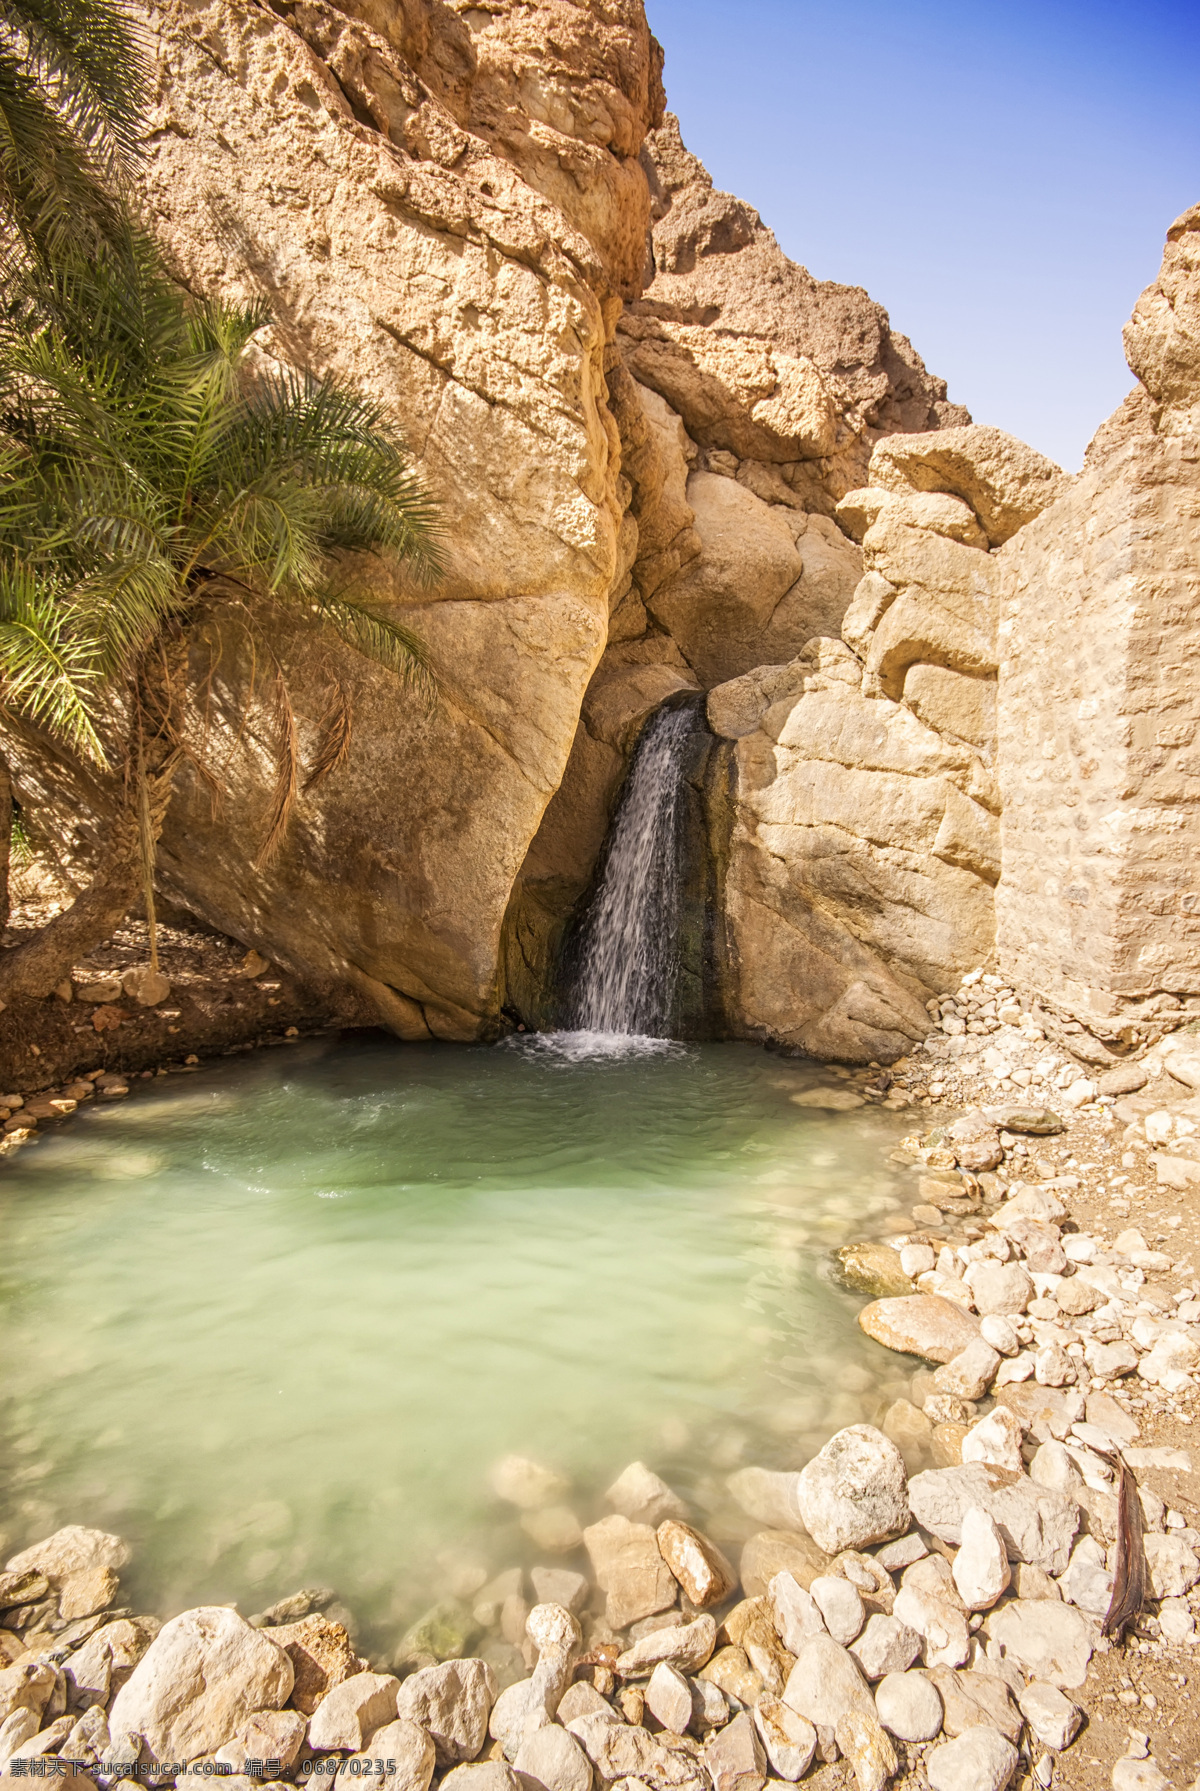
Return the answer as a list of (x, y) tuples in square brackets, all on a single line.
[(284, 1345)]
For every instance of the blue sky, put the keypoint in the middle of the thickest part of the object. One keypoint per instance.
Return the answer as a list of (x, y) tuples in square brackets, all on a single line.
[(999, 176)]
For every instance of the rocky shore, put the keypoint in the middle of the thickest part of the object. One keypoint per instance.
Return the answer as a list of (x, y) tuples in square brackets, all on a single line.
[(924, 1603)]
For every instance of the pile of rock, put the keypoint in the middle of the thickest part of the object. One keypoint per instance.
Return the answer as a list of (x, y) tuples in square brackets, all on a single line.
[(941, 1618)]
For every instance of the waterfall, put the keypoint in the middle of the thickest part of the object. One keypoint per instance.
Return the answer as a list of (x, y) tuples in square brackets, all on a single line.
[(627, 954)]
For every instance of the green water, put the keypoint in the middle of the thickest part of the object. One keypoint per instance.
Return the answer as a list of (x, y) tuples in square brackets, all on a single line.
[(273, 1321)]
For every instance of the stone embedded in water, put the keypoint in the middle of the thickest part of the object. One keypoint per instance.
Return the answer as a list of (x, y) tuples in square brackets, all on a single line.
[(560, 1585), (408, 1751), (925, 1325), (766, 1496), (638, 1494), (554, 1760), (526, 1484), (829, 1100), (698, 1564), (1050, 1640), (1051, 1715), (874, 1269), (789, 1739), (452, 1702), (825, 1683), (853, 1492), (206, 1672), (886, 1645), (629, 1568), (349, 1715), (686, 1646), (769, 1552), (909, 1705), (445, 1632), (555, 1528), (981, 1758)]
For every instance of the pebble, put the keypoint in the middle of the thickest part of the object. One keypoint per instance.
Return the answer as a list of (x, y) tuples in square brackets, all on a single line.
[(909, 1706)]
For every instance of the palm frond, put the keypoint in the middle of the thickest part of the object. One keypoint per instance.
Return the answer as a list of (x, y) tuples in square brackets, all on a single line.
[(333, 740), (287, 772), (49, 673), (377, 637)]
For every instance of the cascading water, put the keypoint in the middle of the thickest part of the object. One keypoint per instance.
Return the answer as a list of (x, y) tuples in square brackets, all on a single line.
[(627, 954)]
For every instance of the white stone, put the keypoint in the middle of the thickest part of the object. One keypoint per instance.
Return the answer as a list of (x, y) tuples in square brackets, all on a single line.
[(996, 1440), (349, 1715), (916, 1259), (1051, 1641), (1038, 1523), (980, 1759), (1176, 1621), (526, 1484), (1001, 1333), (909, 1705), (735, 1757), (408, 1749), (840, 1605), (1174, 1568), (1087, 1581), (981, 1570), (941, 1626), (1138, 1775), (854, 1491), (794, 1612), (629, 1568), (789, 1739), (886, 1645), (766, 1496), (483, 1775), (1054, 1720), (687, 1647), (452, 1701), (669, 1698), (825, 1682), (205, 1673), (554, 1761)]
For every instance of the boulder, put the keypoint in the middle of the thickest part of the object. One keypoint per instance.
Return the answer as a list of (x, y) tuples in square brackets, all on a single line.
[(1049, 1640), (409, 1755), (638, 1494), (349, 1715), (853, 1492), (981, 1758), (629, 1567), (698, 1564), (789, 1739), (825, 1683), (452, 1703), (909, 1705), (1037, 1523), (924, 1325), (205, 1673)]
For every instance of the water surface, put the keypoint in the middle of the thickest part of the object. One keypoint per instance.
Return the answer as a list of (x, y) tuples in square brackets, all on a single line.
[(273, 1321)]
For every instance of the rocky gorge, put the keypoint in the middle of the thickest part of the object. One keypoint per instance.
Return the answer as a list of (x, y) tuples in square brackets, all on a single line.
[(940, 807)]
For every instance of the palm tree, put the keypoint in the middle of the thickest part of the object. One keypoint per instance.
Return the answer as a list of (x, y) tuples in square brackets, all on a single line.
[(157, 472), (73, 80)]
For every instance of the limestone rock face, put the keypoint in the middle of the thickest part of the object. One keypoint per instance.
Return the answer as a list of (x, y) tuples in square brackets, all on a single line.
[(1099, 711), (446, 208), (795, 378)]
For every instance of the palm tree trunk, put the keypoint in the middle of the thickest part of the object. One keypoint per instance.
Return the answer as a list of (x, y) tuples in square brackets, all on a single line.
[(6, 826), (38, 965)]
